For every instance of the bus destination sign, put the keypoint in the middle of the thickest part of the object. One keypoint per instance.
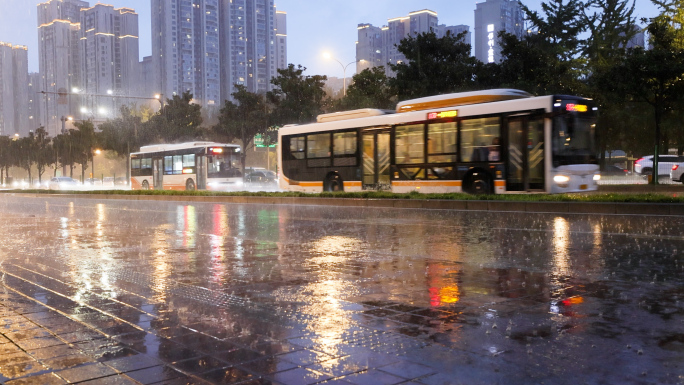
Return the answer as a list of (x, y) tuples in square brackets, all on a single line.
[(442, 114), (576, 107)]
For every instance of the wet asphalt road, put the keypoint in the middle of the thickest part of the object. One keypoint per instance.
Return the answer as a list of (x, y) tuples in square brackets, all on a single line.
[(125, 292)]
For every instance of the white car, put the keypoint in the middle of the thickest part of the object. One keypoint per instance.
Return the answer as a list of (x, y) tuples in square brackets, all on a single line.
[(676, 172), (644, 166), (63, 183)]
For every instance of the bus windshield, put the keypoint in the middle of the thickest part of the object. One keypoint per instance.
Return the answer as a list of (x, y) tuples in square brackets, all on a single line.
[(574, 140), (226, 165)]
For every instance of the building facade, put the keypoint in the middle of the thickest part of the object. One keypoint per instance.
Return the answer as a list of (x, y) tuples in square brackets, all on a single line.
[(207, 46), (491, 18), (281, 40), (13, 90), (185, 49), (58, 50), (109, 54), (34, 101), (377, 46)]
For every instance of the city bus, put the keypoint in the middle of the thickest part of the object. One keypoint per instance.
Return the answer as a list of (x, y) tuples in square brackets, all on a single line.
[(484, 142), (187, 166)]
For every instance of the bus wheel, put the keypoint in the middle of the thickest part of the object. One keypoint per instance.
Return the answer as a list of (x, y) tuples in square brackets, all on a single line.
[(478, 183), (190, 185), (333, 183), (145, 185)]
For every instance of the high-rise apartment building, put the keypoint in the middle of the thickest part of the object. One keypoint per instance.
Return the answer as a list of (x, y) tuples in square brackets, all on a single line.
[(34, 101), (58, 50), (185, 49), (370, 47), (281, 39), (377, 46), (208, 46), (491, 18), (109, 54), (13, 90)]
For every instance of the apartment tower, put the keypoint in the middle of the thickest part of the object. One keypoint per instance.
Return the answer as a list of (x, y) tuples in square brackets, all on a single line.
[(491, 18), (58, 50), (109, 54), (13, 90)]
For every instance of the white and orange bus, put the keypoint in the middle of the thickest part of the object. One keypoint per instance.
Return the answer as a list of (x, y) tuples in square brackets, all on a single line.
[(493, 141), (187, 166)]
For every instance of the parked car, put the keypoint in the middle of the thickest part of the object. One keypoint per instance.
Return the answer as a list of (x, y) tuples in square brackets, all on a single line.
[(262, 178), (644, 166), (676, 172), (108, 181), (63, 183), (93, 182)]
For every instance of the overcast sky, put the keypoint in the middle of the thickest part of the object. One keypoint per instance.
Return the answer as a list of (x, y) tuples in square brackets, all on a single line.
[(313, 26)]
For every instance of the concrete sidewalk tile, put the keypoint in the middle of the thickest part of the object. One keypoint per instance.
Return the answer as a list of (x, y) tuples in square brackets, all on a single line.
[(86, 372)]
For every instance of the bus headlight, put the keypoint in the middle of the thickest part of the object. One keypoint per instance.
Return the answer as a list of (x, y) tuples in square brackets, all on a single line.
[(561, 179), (597, 177)]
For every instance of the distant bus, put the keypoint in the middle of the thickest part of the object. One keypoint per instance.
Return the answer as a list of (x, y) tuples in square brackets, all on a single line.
[(186, 166), (494, 141)]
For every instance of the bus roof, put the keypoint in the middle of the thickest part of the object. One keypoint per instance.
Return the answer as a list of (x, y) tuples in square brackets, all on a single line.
[(460, 99), (527, 104), (182, 146)]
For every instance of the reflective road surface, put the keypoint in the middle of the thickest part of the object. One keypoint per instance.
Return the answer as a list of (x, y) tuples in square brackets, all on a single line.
[(126, 292)]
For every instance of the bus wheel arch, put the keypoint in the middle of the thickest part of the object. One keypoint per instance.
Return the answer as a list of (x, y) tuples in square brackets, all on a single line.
[(478, 181), (190, 185), (145, 185), (333, 182)]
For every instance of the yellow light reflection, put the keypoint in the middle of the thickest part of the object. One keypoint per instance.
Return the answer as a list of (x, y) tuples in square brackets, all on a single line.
[(561, 243)]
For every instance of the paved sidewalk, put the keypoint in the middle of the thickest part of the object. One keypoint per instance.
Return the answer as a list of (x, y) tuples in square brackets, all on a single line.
[(124, 292)]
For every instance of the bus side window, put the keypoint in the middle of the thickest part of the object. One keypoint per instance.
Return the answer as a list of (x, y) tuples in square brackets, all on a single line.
[(297, 147), (477, 135)]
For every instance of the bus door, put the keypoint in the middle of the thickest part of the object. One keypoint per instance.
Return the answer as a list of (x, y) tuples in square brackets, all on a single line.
[(376, 160), (525, 155), (201, 164), (158, 173)]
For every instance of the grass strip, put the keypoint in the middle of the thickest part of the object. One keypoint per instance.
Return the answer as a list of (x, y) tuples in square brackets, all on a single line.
[(593, 197)]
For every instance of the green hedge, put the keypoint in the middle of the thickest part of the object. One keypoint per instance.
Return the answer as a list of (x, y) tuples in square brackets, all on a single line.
[(593, 197)]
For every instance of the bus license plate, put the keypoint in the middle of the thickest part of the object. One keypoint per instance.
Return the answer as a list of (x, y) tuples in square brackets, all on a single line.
[(583, 187)]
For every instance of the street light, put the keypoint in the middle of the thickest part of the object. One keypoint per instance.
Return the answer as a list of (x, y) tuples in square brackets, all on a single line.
[(160, 97), (327, 55), (95, 152)]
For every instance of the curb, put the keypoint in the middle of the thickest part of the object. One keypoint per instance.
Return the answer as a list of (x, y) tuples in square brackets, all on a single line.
[(617, 208)]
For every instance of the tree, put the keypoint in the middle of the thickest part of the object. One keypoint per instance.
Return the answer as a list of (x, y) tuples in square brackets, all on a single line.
[(651, 77), (545, 60), (65, 150), (611, 25), (297, 98), (673, 14), (44, 155), (179, 120), (434, 66), (122, 135), (83, 142), (243, 120), (24, 150), (5, 157), (369, 89)]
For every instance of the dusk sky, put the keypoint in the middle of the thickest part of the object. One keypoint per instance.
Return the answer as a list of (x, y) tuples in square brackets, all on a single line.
[(314, 27)]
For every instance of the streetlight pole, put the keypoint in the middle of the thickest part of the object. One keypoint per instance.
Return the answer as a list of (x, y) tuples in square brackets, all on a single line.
[(96, 152), (344, 71), (160, 97)]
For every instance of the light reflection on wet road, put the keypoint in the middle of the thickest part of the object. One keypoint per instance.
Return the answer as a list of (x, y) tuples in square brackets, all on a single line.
[(146, 292)]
